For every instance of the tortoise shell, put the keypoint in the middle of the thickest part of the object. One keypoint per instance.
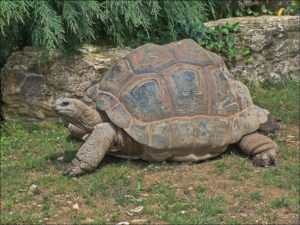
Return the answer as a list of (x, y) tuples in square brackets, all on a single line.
[(177, 95)]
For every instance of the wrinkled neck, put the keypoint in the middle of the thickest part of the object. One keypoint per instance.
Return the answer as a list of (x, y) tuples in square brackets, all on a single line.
[(89, 118)]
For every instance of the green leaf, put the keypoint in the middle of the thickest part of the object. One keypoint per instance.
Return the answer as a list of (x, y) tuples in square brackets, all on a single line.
[(220, 44), (249, 59), (263, 9), (249, 11), (238, 13), (236, 26), (228, 25), (256, 13), (225, 31), (201, 42), (229, 41), (246, 51), (270, 12)]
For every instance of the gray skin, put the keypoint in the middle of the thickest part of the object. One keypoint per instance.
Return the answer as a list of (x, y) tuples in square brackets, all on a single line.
[(102, 137)]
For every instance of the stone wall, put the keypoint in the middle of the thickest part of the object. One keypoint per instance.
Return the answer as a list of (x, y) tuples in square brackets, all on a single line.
[(28, 94), (273, 42)]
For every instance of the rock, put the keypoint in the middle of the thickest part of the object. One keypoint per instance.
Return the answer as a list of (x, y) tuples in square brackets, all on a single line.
[(139, 221), (75, 206), (28, 93), (244, 215), (137, 209), (123, 223), (32, 188), (89, 220), (273, 42), (128, 213), (145, 195), (138, 200), (61, 158)]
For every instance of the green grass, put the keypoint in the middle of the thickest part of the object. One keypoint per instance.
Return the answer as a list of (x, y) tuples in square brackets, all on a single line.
[(280, 203), (255, 196), (210, 192), (281, 99)]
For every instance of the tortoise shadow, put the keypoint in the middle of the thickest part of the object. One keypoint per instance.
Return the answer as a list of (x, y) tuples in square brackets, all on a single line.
[(142, 164), (68, 155)]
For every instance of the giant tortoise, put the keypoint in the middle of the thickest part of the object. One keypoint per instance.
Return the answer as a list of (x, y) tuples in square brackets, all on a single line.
[(171, 102)]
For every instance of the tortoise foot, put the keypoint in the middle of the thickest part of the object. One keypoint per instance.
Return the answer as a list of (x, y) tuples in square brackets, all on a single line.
[(265, 159), (75, 168)]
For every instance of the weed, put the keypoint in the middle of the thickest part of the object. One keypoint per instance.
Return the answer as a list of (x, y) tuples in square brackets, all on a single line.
[(201, 189), (100, 221), (280, 203), (236, 176), (221, 166), (114, 217), (255, 196)]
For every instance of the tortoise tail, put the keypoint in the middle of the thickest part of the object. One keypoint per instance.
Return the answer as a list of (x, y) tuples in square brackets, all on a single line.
[(255, 143)]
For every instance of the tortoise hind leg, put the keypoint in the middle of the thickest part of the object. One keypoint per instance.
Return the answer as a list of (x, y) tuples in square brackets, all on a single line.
[(92, 151), (272, 126), (263, 149)]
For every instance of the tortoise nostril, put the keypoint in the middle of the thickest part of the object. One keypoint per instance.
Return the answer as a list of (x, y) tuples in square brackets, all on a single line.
[(65, 104)]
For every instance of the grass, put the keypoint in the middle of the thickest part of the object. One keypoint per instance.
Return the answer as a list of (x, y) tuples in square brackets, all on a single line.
[(228, 189)]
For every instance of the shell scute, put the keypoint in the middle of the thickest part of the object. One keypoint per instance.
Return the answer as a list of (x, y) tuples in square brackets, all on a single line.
[(146, 99), (120, 116), (182, 133), (105, 101), (160, 135), (117, 76), (150, 58), (204, 132), (187, 88), (188, 51), (139, 132), (223, 99)]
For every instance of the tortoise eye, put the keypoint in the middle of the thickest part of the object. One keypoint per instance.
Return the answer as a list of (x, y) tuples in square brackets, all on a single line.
[(65, 104)]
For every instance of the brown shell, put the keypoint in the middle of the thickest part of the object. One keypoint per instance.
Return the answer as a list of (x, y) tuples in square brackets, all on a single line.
[(177, 96)]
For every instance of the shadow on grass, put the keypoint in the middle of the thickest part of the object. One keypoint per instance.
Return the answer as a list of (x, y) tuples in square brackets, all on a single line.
[(68, 155)]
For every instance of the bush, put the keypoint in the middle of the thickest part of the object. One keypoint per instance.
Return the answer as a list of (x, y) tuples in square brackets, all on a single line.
[(47, 25), (67, 24)]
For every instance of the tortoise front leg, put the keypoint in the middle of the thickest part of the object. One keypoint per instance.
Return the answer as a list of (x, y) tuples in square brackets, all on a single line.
[(263, 149), (92, 151), (77, 132)]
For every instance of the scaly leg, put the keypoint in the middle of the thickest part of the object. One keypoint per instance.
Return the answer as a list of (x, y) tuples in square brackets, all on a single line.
[(77, 131), (263, 149), (92, 151)]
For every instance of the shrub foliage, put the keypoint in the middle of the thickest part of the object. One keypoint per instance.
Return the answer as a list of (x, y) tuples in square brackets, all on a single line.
[(66, 24)]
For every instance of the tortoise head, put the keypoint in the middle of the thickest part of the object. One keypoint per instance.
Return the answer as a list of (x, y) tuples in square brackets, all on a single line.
[(77, 112)]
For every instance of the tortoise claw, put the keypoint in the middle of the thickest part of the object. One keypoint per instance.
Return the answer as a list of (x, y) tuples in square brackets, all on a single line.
[(265, 159), (73, 168)]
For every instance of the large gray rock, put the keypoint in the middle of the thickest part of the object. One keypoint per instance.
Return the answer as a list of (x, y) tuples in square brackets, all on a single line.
[(273, 42), (28, 94)]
